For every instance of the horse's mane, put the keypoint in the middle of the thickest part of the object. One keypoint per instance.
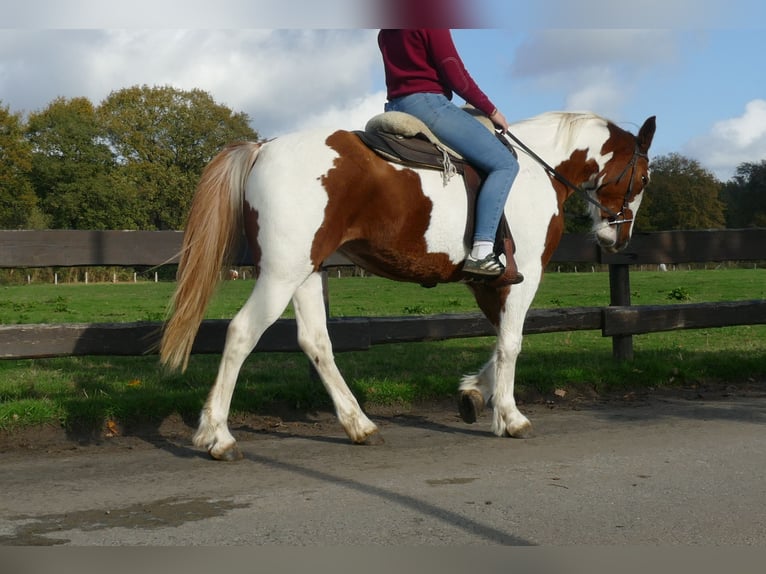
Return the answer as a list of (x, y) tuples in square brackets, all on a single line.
[(564, 126)]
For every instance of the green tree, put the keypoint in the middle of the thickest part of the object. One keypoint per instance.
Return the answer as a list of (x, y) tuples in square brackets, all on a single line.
[(74, 170), (745, 196), (576, 216), (18, 203), (681, 195), (163, 137)]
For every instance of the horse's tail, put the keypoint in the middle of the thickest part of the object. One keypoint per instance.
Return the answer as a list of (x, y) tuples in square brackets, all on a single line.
[(213, 229)]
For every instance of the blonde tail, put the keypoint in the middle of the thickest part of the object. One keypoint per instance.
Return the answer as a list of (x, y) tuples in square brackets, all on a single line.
[(213, 228)]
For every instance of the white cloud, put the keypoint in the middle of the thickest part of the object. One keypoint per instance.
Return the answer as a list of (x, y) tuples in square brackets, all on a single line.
[(80, 14), (598, 91), (732, 141), (277, 77), (598, 69), (350, 116), (554, 51)]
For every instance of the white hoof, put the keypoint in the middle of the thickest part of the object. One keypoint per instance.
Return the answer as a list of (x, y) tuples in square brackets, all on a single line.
[(514, 425)]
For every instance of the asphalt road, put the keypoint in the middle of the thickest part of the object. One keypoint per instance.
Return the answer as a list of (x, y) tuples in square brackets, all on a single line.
[(660, 471)]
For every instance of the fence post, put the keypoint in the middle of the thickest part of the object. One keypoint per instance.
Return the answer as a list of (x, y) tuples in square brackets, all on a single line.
[(619, 294)]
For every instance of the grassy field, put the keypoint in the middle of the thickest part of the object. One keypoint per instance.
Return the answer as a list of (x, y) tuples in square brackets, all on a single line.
[(85, 392)]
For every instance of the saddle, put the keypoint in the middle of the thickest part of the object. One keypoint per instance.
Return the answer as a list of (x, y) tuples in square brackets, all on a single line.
[(404, 139)]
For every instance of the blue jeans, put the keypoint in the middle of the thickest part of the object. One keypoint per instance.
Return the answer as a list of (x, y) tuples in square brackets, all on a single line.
[(464, 134)]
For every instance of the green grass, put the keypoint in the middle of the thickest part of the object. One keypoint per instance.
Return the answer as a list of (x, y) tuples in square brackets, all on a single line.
[(355, 296), (84, 392)]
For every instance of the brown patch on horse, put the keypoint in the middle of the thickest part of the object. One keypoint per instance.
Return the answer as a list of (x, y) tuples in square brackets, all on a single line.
[(490, 299), (575, 168), (624, 146), (377, 215)]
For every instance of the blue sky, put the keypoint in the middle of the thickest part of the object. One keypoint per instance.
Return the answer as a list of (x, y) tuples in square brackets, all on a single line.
[(704, 86), (292, 64)]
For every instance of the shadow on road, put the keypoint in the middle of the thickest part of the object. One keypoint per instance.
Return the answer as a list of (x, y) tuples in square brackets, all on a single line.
[(488, 533)]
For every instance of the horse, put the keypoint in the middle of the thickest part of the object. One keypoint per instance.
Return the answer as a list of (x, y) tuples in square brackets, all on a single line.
[(301, 197)]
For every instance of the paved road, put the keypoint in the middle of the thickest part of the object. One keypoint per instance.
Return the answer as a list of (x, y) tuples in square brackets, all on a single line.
[(661, 471)]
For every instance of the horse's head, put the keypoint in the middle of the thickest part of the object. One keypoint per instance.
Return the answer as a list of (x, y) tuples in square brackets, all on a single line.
[(618, 187)]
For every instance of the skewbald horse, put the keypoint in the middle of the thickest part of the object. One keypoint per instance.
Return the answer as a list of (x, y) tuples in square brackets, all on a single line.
[(303, 196)]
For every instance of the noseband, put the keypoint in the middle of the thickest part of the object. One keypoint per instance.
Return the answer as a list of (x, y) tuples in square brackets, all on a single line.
[(615, 218)]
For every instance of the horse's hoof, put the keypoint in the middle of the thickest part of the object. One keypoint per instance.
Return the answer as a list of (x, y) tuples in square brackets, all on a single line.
[(231, 454), (524, 431), (372, 439), (470, 405)]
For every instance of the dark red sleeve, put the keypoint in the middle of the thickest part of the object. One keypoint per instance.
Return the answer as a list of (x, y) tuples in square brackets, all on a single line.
[(453, 72)]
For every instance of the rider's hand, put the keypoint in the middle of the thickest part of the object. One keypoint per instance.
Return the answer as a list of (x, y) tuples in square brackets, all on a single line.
[(499, 120)]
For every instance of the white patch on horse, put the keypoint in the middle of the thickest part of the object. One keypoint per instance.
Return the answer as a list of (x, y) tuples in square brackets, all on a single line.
[(524, 207), (448, 215), (278, 186)]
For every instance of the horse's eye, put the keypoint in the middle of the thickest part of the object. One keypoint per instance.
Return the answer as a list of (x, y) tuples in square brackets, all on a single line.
[(644, 180)]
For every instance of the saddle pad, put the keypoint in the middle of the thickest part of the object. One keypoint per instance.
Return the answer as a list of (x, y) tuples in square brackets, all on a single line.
[(407, 125)]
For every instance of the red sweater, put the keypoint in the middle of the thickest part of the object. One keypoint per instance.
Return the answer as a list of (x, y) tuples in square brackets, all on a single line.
[(427, 61)]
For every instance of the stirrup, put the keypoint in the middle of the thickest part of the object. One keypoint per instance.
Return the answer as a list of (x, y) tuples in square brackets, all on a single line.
[(489, 266)]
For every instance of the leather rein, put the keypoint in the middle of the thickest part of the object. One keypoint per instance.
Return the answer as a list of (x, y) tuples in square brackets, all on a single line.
[(615, 218)]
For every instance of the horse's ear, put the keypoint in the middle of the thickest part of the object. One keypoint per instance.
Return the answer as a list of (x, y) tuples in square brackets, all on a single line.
[(646, 134)]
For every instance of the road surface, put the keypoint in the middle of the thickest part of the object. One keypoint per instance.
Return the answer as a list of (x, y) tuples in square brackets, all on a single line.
[(658, 470)]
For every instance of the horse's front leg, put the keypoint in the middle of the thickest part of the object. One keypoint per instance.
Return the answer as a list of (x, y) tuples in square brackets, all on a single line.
[(495, 381), (495, 384), (507, 420)]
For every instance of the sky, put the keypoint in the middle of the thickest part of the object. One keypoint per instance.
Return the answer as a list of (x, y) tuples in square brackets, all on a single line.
[(293, 64)]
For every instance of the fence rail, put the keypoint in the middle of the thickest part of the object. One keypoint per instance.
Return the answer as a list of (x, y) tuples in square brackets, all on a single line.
[(68, 248), (620, 320)]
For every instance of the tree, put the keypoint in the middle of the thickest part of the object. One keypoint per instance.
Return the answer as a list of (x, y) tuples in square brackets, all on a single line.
[(577, 217), (163, 138), (681, 195), (18, 204), (745, 196), (73, 169)]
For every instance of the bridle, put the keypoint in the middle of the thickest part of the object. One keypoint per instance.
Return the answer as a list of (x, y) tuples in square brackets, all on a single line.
[(615, 217)]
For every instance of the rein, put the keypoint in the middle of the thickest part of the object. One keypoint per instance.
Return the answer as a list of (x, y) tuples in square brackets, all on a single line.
[(615, 218)]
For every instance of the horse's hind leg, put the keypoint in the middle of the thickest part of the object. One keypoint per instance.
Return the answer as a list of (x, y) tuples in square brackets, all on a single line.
[(315, 342), (264, 306), (476, 391)]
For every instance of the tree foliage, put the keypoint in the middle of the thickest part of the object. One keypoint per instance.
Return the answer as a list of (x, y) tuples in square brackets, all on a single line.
[(681, 195), (133, 162), (18, 203), (130, 163), (576, 215), (163, 138), (745, 196), (72, 168)]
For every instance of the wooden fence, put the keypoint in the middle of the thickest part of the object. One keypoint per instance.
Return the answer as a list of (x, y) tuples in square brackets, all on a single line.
[(620, 320)]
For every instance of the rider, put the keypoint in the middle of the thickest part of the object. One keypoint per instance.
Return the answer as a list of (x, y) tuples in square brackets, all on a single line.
[(423, 69)]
